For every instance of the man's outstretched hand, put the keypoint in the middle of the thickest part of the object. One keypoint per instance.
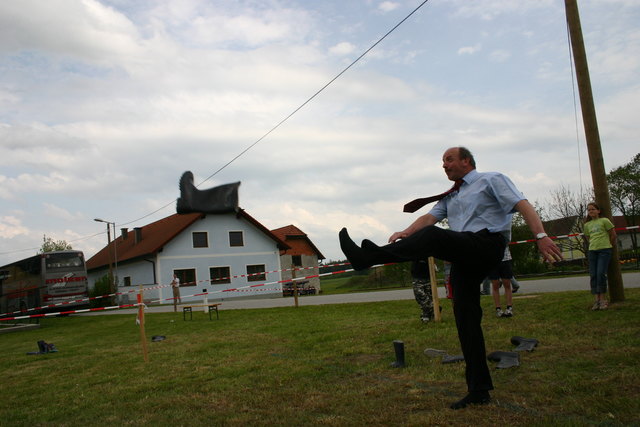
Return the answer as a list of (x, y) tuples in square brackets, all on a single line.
[(549, 250)]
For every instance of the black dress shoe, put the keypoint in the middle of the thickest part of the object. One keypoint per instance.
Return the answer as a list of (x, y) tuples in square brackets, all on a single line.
[(353, 252), (473, 398)]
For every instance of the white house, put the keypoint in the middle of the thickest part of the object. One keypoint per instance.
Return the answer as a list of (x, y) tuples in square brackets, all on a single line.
[(223, 254)]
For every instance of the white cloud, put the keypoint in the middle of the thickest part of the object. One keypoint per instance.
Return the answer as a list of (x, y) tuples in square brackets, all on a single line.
[(11, 227), (491, 9), (62, 213), (500, 55), (614, 62), (469, 50), (85, 29), (388, 6), (250, 28), (342, 49), (103, 105)]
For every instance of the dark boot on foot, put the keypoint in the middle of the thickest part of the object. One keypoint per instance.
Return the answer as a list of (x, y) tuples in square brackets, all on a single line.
[(353, 252), (473, 398), (378, 255)]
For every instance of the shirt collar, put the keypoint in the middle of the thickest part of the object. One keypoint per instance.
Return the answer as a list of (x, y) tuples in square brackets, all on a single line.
[(471, 176)]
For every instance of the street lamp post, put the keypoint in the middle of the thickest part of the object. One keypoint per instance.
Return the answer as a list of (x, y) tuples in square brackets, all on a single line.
[(114, 286)]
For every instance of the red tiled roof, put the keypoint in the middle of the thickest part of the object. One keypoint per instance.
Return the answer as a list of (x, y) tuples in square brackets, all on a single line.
[(298, 240), (157, 234)]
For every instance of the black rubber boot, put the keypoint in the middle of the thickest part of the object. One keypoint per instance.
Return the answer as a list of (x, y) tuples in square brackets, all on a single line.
[(473, 398), (505, 359), (398, 346), (216, 200), (524, 344)]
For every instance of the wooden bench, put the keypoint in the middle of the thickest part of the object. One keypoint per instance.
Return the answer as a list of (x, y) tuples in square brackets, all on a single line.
[(189, 309)]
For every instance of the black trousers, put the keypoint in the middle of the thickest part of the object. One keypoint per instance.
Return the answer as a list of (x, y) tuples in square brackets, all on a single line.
[(472, 256), (420, 270)]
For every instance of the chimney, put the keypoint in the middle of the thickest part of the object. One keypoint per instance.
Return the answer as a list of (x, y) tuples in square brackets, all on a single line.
[(138, 234), (125, 233)]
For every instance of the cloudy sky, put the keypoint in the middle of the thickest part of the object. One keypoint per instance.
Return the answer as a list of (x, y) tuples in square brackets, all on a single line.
[(105, 103)]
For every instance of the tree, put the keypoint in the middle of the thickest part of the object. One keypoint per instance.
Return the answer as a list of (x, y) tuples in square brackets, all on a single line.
[(624, 187), (50, 245), (397, 274), (102, 287), (565, 203)]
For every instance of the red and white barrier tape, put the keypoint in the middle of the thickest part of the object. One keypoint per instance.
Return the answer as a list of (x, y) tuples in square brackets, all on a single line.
[(248, 288), (566, 236), (86, 310), (59, 304), (254, 287), (240, 289), (150, 288)]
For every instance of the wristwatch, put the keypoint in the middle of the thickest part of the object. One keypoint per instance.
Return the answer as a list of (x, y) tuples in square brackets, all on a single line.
[(541, 236)]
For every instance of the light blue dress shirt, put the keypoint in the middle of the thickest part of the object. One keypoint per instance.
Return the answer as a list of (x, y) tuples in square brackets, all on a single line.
[(485, 200)]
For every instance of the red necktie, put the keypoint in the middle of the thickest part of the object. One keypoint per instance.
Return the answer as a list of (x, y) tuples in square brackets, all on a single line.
[(416, 204)]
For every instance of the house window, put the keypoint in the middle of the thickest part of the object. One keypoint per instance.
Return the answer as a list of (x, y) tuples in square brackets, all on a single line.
[(236, 238), (200, 239), (254, 273), (127, 280), (220, 275), (187, 276), (296, 260)]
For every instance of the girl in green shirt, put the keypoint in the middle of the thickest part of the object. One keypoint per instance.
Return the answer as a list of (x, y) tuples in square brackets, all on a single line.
[(601, 235)]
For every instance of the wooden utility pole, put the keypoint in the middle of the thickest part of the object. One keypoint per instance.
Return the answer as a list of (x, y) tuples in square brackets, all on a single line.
[(295, 284), (596, 161), (140, 318)]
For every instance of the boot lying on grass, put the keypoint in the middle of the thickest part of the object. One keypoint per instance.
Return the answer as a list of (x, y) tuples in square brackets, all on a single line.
[(446, 358), (505, 359), (524, 344), (44, 348)]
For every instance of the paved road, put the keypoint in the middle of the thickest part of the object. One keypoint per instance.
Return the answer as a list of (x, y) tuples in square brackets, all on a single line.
[(631, 280)]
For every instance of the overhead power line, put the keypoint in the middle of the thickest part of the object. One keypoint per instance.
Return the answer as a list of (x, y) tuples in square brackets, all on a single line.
[(301, 106), (280, 123)]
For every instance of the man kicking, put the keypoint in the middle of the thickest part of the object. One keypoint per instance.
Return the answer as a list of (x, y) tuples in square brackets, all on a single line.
[(479, 208)]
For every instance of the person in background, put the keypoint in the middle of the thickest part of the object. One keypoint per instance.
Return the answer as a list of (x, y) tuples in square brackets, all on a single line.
[(515, 285), (501, 275), (422, 289), (175, 285), (601, 234)]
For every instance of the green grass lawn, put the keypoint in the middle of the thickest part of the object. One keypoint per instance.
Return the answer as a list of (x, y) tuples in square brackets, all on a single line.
[(324, 365)]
